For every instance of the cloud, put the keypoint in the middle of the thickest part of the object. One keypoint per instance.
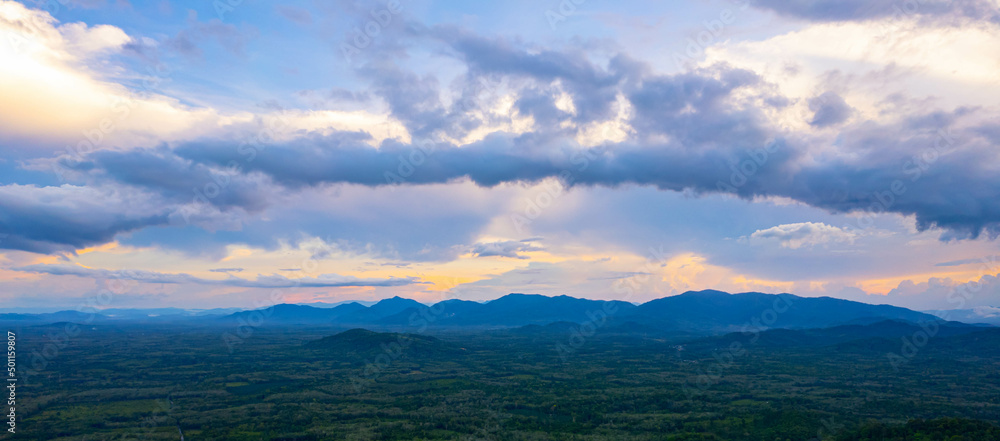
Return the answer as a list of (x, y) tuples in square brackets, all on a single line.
[(804, 234), (829, 109), (968, 261), (593, 89), (701, 138), (618, 275), (59, 90), (986, 311), (504, 248), (226, 270), (701, 131), (945, 293), (63, 219), (707, 148), (176, 179), (188, 41), (334, 98), (862, 10), (272, 281)]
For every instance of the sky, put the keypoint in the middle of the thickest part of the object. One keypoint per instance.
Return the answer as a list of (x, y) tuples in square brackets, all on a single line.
[(236, 153)]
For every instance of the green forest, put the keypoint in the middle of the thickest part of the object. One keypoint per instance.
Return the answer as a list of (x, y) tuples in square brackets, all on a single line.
[(318, 383)]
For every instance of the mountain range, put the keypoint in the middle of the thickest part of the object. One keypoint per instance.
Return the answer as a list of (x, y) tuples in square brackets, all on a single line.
[(695, 312)]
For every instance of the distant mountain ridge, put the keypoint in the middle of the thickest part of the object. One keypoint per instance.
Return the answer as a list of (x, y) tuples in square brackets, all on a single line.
[(718, 311), (706, 312), (981, 314), (508, 311)]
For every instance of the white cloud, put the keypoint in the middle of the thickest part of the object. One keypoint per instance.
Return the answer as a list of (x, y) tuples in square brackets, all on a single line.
[(803, 234), (504, 248), (872, 61), (987, 311), (59, 86), (52, 91), (946, 293)]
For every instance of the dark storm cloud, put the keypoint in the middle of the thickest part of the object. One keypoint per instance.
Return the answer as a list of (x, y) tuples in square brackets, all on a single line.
[(181, 181), (921, 166), (942, 175), (495, 160), (63, 219)]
